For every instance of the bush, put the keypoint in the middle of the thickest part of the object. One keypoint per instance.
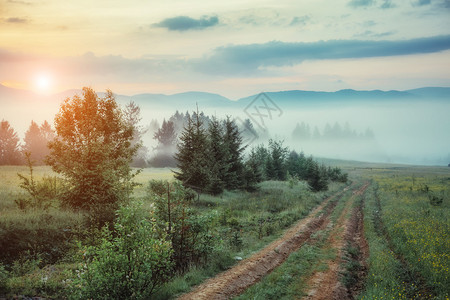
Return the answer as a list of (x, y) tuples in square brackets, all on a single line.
[(3, 279), (192, 235), (40, 193), (130, 263)]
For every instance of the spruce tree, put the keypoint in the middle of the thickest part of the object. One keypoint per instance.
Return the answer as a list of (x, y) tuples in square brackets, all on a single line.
[(252, 171), (217, 157), (278, 159), (192, 155), (233, 145)]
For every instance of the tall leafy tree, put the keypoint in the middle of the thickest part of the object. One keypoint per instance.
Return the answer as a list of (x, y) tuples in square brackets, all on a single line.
[(9, 145), (92, 150)]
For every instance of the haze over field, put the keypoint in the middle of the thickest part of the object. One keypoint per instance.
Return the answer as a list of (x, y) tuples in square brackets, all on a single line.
[(233, 51)]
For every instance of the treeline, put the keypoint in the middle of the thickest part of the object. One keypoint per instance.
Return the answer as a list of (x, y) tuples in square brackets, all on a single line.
[(303, 131), (212, 159), (169, 133), (35, 143)]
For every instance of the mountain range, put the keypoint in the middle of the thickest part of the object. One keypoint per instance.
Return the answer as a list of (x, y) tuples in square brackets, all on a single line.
[(188, 100)]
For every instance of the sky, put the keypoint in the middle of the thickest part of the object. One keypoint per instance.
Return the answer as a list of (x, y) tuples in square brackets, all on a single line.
[(233, 48)]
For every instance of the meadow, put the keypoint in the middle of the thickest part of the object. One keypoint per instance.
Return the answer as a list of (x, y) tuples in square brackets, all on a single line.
[(405, 222), (40, 246)]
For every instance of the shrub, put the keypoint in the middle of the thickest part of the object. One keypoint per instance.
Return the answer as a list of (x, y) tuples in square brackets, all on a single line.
[(192, 235), (130, 263)]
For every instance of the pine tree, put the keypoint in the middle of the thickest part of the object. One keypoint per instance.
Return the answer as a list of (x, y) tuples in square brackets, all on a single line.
[(218, 157), (278, 155), (9, 145), (192, 155), (233, 145), (253, 171)]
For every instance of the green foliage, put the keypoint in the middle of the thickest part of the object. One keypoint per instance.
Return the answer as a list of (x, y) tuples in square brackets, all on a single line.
[(93, 151), (192, 235), (218, 157), (234, 148), (4, 275), (277, 160), (41, 193), (130, 263), (192, 155)]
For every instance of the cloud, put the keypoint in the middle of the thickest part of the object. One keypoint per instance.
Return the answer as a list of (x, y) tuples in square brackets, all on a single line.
[(183, 23), (387, 4), (16, 20), (300, 20), (361, 3), (19, 2), (422, 2), (370, 33), (253, 57)]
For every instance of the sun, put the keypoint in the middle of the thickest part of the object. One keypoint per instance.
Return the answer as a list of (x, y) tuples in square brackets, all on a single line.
[(42, 83)]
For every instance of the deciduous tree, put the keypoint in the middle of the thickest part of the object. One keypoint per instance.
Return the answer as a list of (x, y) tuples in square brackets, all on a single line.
[(92, 150)]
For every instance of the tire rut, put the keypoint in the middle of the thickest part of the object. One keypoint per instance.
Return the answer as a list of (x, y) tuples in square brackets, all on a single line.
[(249, 271), (328, 284)]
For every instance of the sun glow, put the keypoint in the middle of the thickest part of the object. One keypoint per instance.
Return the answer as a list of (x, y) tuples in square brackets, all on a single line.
[(42, 83)]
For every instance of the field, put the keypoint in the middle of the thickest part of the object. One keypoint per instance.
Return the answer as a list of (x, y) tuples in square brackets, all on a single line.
[(384, 235)]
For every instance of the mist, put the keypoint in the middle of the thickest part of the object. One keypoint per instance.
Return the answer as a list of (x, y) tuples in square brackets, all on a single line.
[(406, 129)]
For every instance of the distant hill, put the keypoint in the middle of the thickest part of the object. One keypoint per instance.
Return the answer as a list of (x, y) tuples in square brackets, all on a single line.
[(25, 100), (349, 96)]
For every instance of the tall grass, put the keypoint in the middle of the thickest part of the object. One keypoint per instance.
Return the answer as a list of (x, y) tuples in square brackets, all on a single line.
[(417, 235)]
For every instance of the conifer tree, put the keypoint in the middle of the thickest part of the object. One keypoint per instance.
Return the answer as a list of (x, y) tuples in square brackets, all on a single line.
[(252, 171), (278, 155), (233, 145), (36, 140), (9, 145), (218, 157), (192, 155)]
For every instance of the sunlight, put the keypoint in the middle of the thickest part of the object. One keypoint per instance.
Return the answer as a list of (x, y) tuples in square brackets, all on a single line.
[(42, 83)]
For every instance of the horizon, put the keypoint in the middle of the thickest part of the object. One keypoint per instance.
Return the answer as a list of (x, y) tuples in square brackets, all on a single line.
[(231, 99)]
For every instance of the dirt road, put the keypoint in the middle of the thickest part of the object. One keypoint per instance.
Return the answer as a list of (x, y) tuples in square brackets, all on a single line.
[(249, 271), (347, 232)]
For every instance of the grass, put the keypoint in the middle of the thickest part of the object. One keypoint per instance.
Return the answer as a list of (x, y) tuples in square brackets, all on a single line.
[(255, 219), (409, 237), (406, 223), (246, 223), (288, 281)]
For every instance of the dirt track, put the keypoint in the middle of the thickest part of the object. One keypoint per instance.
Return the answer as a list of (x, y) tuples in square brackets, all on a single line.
[(249, 271), (327, 284)]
